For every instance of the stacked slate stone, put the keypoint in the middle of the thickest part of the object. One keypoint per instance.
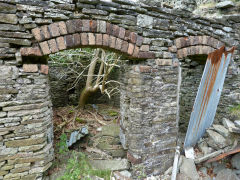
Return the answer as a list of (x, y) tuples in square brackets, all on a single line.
[(149, 105)]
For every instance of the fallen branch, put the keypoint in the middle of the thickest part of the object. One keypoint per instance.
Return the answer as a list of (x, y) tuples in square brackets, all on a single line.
[(98, 120)]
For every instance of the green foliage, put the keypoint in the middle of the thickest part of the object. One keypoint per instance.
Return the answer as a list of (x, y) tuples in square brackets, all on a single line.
[(112, 113), (80, 120), (140, 171), (62, 144), (78, 167), (235, 110)]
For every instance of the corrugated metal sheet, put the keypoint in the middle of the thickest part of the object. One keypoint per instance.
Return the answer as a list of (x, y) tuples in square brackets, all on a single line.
[(208, 95)]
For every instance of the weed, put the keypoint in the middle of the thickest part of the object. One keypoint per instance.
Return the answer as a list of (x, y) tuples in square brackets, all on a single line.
[(112, 113), (78, 167), (80, 120), (235, 110), (62, 144)]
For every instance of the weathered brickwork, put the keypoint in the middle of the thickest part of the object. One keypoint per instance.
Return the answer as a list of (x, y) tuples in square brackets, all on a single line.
[(31, 30)]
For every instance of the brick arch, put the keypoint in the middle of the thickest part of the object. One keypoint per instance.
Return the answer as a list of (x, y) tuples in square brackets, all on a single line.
[(77, 33), (193, 45)]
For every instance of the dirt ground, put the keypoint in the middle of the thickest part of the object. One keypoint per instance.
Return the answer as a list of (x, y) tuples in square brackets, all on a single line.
[(70, 118)]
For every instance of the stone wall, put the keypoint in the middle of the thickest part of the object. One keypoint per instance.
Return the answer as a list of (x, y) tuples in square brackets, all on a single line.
[(31, 30), (148, 117), (26, 131)]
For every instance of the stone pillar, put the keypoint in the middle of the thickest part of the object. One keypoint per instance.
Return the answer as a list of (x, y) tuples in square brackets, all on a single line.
[(26, 131), (148, 117)]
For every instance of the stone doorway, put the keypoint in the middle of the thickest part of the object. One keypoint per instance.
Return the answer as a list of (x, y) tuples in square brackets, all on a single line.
[(192, 69)]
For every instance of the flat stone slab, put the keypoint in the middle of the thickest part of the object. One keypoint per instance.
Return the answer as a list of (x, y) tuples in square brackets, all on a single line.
[(236, 161), (113, 165), (189, 169), (226, 174), (111, 130), (225, 4)]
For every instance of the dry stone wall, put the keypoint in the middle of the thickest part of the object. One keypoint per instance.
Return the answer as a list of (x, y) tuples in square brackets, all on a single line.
[(31, 30)]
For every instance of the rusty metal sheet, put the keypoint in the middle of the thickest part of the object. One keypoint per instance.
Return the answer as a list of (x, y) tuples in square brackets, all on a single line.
[(221, 156), (208, 95)]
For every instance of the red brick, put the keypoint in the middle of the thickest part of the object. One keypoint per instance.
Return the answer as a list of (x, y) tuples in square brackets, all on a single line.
[(31, 51), (139, 40), (180, 53), (76, 39), (136, 51), (112, 42), (71, 28), (86, 25), (45, 48), (205, 40), (45, 32), (79, 25), (121, 33), (127, 35), (200, 49), (91, 38), (99, 39), (132, 159), (133, 37), (164, 62), (105, 39), (30, 68), (200, 38), (194, 40), (189, 51), (185, 52), (44, 69), (54, 30), (145, 69), (109, 29), (84, 39), (61, 43), (213, 42), (37, 34), (146, 55), (184, 42), (197, 49), (130, 49), (206, 49), (69, 41), (115, 30), (193, 50), (93, 25), (62, 28), (53, 46), (118, 45), (124, 47)]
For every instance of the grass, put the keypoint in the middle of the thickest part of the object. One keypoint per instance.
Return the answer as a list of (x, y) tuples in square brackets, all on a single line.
[(78, 167)]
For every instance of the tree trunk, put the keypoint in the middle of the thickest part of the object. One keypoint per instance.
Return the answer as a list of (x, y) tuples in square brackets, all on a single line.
[(85, 95)]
